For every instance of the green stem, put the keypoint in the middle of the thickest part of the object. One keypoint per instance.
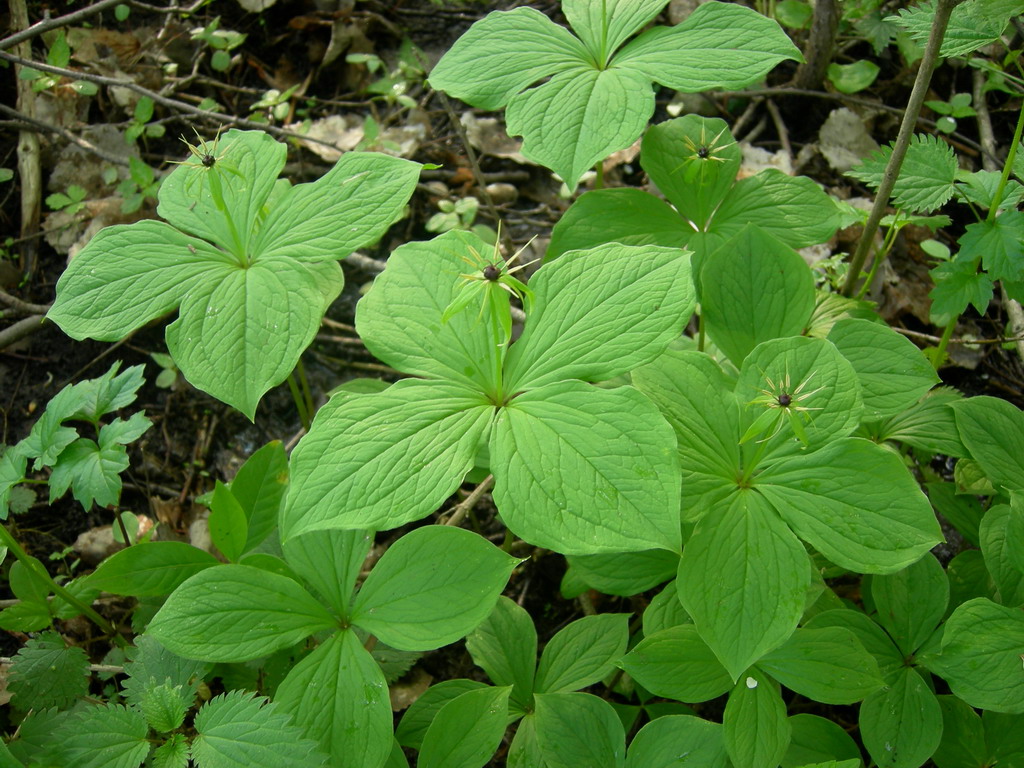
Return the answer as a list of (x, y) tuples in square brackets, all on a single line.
[(762, 445), (890, 238), (37, 568), (917, 96), (124, 531), (940, 351), (599, 181), (997, 198), (300, 405), (307, 393)]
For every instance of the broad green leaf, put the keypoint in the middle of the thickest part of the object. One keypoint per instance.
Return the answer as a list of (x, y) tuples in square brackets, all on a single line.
[(259, 488), (575, 729), (902, 724), (963, 736), (668, 741), (229, 527), (505, 645), (719, 45), (400, 318), (929, 424), (242, 330), (353, 468), (854, 502), (449, 743), (524, 751), (413, 605), (582, 653), (999, 243), (993, 431), (222, 203), (980, 657), (580, 116), (421, 714), (502, 54), (330, 561), (850, 78), (964, 512), (815, 739), (597, 314), (911, 602), (754, 723), (893, 373), (129, 275), (761, 572), (695, 396), (958, 284), (1005, 736), (105, 736), (664, 611), (339, 696), (754, 289), (969, 578), (677, 664), (235, 613), (626, 573), (927, 176), (150, 569), (607, 25), (616, 483), (239, 729), (827, 665)]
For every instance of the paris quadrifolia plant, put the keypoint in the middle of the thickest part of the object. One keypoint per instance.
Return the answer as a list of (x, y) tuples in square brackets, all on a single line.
[(748, 476)]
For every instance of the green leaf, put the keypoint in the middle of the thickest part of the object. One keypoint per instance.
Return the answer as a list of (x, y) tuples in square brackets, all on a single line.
[(761, 574), (580, 116), (165, 706), (239, 729), (412, 605), (971, 25), (929, 424), (151, 664), (754, 289), (26, 617), (106, 736), (448, 742), (815, 739), (13, 467), (599, 313), (718, 46), (964, 512), (999, 243), (228, 524), (851, 78), (505, 645), (665, 742), (754, 723), (664, 611), (617, 487), (502, 54), (59, 54), (421, 714), (582, 653), (150, 569), (47, 673), (627, 573), (1003, 734), (911, 602), (235, 613), (677, 664), (339, 695), (963, 736), (371, 483), (575, 729), (969, 578), (606, 26), (854, 502), (259, 488), (827, 665), (958, 284), (330, 561), (927, 176), (902, 724), (174, 752), (980, 656), (349, 207), (993, 431), (91, 470), (893, 373)]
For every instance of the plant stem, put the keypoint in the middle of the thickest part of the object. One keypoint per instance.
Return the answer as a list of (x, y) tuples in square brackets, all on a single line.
[(37, 568), (307, 393), (300, 405), (939, 353), (890, 238), (599, 169), (917, 96), (997, 198)]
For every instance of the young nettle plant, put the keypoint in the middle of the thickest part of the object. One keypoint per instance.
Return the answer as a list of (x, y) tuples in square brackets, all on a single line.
[(247, 259), (599, 89), (577, 468)]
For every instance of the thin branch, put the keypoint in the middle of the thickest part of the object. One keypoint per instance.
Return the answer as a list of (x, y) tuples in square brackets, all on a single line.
[(22, 306), (66, 20), (20, 330), (77, 140), (470, 501)]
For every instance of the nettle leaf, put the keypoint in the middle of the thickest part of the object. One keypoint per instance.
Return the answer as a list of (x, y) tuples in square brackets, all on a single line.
[(911, 602), (993, 431), (980, 656), (164, 706), (761, 574), (353, 468), (412, 605), (235, 613), (677, 664), (576, 729), (239, 729), (598, 101), (106, 736), (582, 653), (635, 302), (661, 742), (47, 673), (893, 373), (927, 177), (330, 561), (339, 695), (151, 664), (617, 484), (827, 665), (754, 722), (754, 289), (151, 568), (957, 284), (448, 743), (972, 25), (505, 646), (902, 724), (999, 244)]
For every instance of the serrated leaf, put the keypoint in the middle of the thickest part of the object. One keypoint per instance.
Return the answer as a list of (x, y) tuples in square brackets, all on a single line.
[(412, 605), (971, 25), (902, 724), (173, 753), (152, 664), (999, 244), (958, 284), (754, 723), (13, 466), (47, 673), (108, 736), (927, 176), (239, 730), (164, 706), (677, 664), (449, 744), (582, 653)]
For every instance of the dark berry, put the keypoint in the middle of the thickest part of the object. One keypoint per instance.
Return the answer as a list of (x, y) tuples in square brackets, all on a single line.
[(209, 160), (491, 272), (703, 153), (785, 400)]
